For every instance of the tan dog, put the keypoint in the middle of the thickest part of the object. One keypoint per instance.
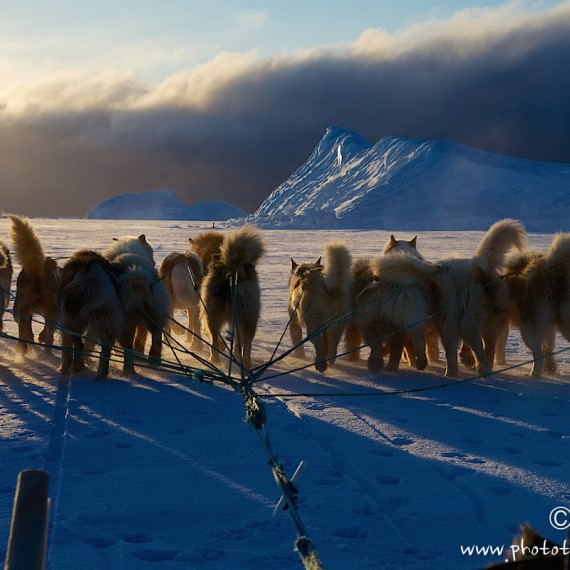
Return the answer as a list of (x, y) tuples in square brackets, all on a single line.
[(6, 271), (363, 278), (36, 287), (231, 294), (482, 295), (206, 245), (464, 298), (408, 293), (317, 296), (182, 275), (540, 299)]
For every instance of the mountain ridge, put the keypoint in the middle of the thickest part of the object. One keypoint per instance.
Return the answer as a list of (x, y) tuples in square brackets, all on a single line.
[(399, 182)]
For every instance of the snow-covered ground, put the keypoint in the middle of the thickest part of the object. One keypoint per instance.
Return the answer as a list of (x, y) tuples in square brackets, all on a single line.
[(160, 471)]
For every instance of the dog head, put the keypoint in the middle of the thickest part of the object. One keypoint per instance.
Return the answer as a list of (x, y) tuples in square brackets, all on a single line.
[(404, 246), (304, 272)]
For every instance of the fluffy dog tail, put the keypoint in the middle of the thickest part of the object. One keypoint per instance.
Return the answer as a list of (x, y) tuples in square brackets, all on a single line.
[(242, 247), (27, 246), (402, 269), (338, 267), (558, 255), (3, 256), (501, 237)]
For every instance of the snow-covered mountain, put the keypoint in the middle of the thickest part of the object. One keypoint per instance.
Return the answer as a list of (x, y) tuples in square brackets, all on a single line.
[(161, 205), (402, 183)]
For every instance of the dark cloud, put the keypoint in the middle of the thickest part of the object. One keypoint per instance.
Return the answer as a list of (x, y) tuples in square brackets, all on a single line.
[(238, 128)]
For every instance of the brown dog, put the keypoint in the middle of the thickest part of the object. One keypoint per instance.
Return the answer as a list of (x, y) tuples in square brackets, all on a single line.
[(89, 300), (36, 286), (231, 293)]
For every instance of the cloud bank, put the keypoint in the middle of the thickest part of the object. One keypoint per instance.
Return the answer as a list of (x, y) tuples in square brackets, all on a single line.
[(235, 128)]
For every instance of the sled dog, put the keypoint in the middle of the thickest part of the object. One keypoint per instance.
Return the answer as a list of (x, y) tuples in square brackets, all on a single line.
[(231, 294), (182, 274), (143, 295), (206, 245), (318, 295), (540, 299), (407, 293), (482, 295), (89, 300), (363, 277), (474, 298), (6, 271), (36, 285)]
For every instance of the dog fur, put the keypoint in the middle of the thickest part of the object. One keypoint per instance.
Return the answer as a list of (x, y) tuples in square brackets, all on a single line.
[(482, 295), (206, 245), (182, 275), (6, 272), (143, 295), (318, 294), (539, 285), (36, 286), (363, 278), (466, 296), (231, 293), (408, 292), (89, 299)]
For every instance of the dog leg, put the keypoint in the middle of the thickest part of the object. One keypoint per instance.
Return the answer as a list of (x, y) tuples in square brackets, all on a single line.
[(126, 341), (417, 334), (396, 346), (501, 344), (548, 347), (333, 336), (353, 341), (466, 356), (319, 342), (432, 343), (140, 338), (376, 357), (215, 344), (24, 332), (532, 339), (194, 327), (296, 333), (450, 344), (67, 354), (474, 340), (78, 362), (104, 357)]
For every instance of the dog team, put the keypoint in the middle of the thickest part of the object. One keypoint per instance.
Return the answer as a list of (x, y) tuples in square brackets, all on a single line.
[(396, 303)]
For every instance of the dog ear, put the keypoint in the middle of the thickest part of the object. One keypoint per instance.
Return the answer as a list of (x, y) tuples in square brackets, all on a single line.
[(318, 262), (413, 242), (191, 240), (293, 265), (393, 240), (142, 237)]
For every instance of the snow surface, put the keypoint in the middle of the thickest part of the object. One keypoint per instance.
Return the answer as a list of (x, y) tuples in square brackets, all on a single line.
[(415, 185), (160, 471), (161, 205)]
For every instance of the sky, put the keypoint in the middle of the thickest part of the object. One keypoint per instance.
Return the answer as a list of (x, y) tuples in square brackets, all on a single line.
[(224, 100)]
